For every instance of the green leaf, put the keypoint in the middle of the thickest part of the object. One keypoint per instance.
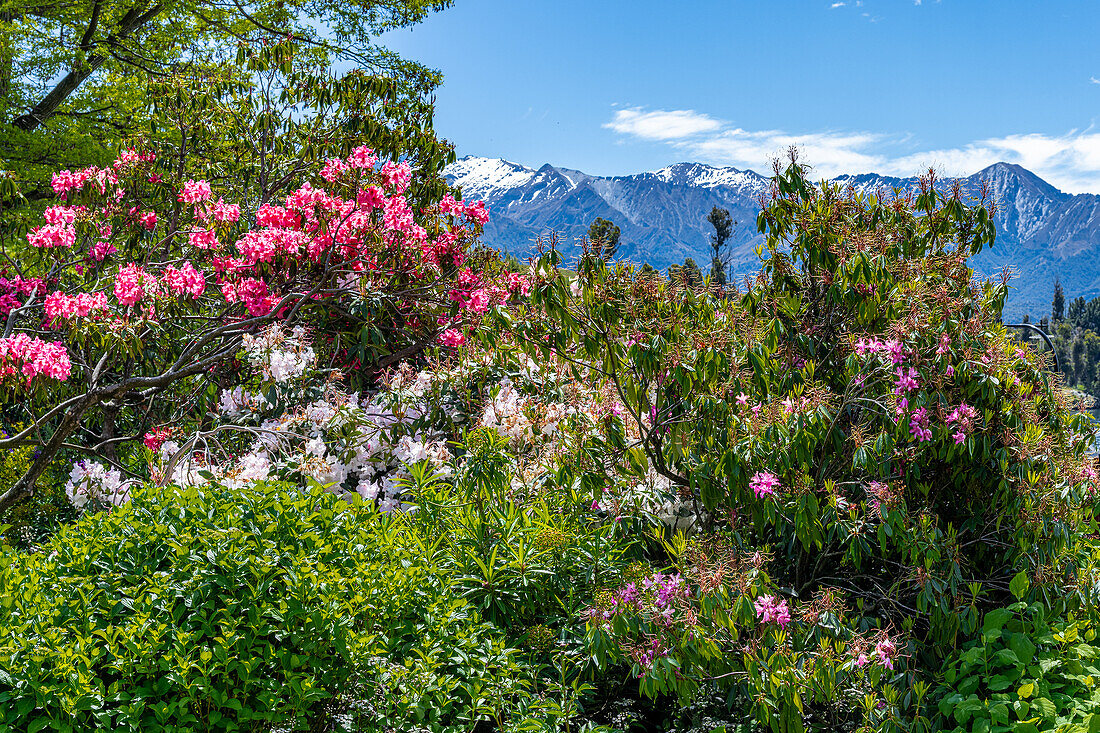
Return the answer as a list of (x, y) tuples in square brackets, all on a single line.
[(1019, 585)]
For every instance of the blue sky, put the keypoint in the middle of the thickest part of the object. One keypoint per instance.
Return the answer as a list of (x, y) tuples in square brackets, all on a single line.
[(890, 86)]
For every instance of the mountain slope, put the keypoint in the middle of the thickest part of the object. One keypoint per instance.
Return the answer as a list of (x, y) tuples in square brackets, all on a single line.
[(1042, 233)]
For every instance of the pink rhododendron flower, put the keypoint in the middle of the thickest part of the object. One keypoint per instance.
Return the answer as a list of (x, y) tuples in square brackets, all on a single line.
[(886, 651), (203, 239), (452, 337), (184, 279), (769, 609), (52, 235), (60, 306), (362, 157), (155, 438), (918, 425), (131, 284), (100, 250), (195, 191), (764, 484), (906, 380), (30, 357), (896, 350)]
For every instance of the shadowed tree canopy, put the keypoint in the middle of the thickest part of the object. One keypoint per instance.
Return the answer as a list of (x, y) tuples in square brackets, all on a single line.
[(76, 76)]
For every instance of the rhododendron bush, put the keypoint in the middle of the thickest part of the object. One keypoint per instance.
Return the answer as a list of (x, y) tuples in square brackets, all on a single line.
[(868, 456), (144, 292)]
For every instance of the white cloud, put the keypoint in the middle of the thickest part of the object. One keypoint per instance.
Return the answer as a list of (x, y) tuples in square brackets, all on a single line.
[(1070, 162), (661, 124), (838, 5), (1094, 80)]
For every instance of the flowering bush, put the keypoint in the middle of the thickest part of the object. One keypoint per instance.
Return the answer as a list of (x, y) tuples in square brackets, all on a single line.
[(870, 456), (143, 294)]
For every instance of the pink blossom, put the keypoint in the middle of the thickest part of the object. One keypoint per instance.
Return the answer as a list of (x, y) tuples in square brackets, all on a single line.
[(52, 235), (100, 249), (195, 191), (963, 418), (131, 283), (764, 484), (62, 215), (896, 350), (148, 220), (906, 380), (184, 279), (203, 240), (334, 167), (452, 337), (60, 306), (918, 425), (363, 158), (950, 370), (31, 357), (155, 438), (769, 609), (886, 651), (944, 347)]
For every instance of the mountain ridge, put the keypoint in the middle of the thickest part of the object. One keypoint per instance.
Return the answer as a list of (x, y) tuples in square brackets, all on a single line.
[(1042, 233)]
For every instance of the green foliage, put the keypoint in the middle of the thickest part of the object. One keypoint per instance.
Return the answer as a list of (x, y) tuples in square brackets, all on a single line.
[(79, 80), (1026, 672), (32, 521), (212, 609)]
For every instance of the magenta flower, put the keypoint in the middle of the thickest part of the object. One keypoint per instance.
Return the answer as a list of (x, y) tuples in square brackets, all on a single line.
[(906, 381), (770, 609), (886, 651), (764, 484), (918, 425)]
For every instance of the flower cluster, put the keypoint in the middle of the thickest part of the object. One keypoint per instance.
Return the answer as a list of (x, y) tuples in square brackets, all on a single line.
[(31, 357), (962, 417), (60, 306), (92, 482), (764, 483), (770, 609), (184, 279), (918, 425), (280, 355), (132, 284)]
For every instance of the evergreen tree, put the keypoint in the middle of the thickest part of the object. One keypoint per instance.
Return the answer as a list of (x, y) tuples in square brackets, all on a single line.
[(688, 273), (604, 236), (723, 225), (1076, 310), (1058, 309)]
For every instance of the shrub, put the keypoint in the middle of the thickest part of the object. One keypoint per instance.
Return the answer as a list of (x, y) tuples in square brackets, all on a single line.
[(870, 456), (208, 609), (1028, 671)]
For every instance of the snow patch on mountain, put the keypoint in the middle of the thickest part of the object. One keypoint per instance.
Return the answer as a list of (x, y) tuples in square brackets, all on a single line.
[(487, 178)]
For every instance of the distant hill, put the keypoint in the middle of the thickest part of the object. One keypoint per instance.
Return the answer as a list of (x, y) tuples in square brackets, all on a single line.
[(1042, 233)]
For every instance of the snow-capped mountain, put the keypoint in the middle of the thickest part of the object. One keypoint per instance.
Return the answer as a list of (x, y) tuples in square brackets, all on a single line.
[(1042, 233)]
